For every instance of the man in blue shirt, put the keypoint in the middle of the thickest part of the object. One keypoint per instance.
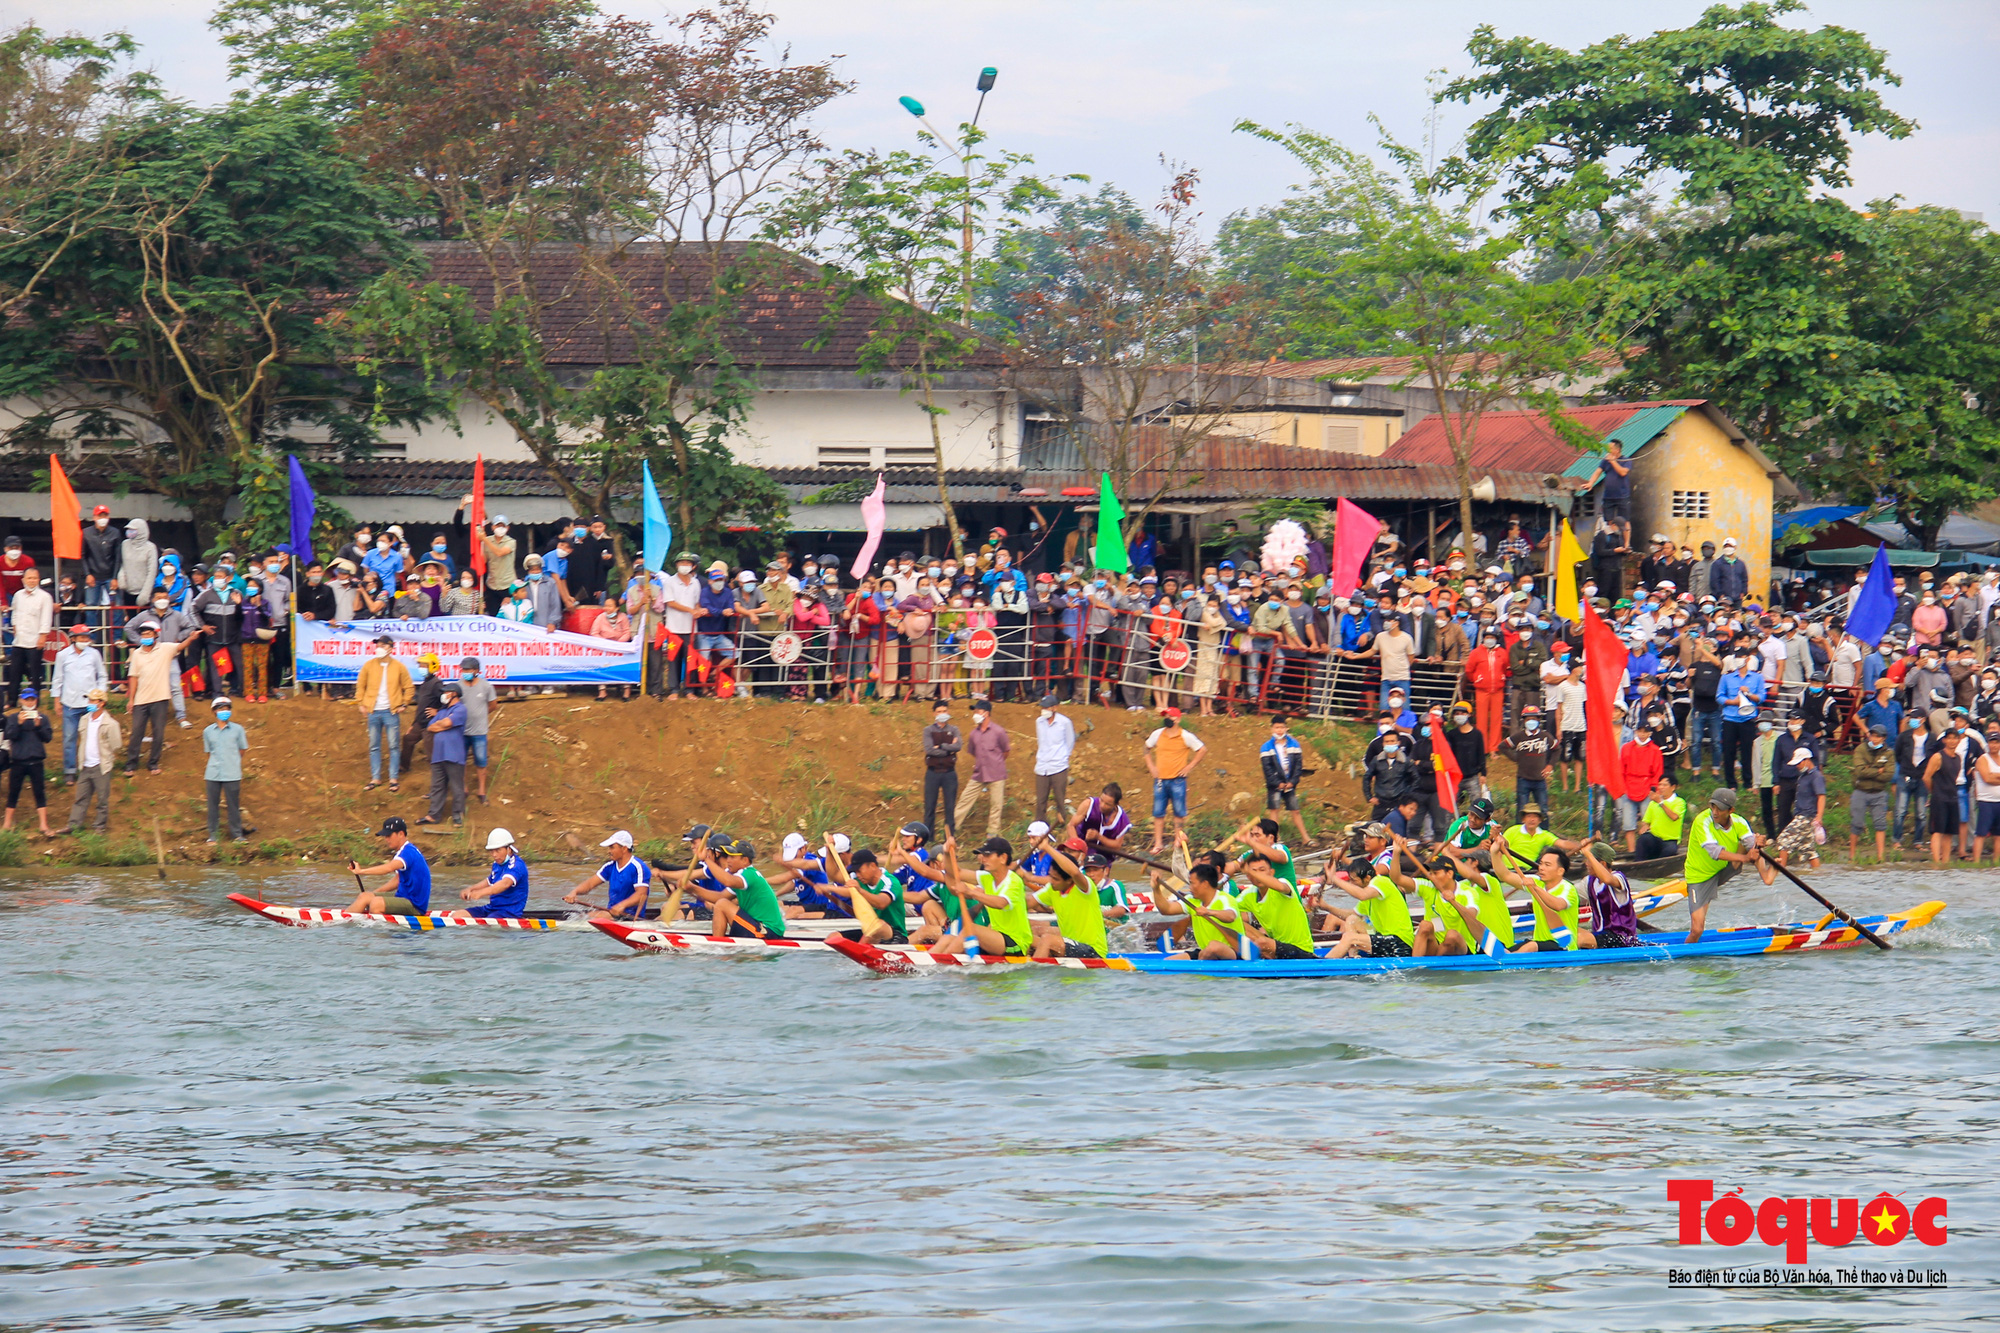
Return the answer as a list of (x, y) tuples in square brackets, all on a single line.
[(412, 895), (1872, 667), (447, 731), (714, 628), (1615, 495), (626, 879), (504, 892), (1883, 710), (1740, 691)]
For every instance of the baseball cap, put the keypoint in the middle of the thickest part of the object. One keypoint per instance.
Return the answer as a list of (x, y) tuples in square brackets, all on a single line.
[(1050, 701), (1170, 712), (1723, 798), (999, 846), (1095, 861), (619, 839), (393, 824), (1038, 829), (841, 842), (101, 511), (79, 631)]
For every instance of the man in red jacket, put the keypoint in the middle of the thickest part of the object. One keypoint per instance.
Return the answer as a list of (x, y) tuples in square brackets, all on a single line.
[(1486, 673), (1640, 765)]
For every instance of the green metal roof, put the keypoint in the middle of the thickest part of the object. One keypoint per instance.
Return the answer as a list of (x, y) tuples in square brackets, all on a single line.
[(1861, 555), (1639, 430)]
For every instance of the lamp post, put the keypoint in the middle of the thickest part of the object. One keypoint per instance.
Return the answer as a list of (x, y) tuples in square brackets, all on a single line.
[(916, 108)]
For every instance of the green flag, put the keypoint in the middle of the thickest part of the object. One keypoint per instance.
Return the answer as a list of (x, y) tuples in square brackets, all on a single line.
[(1110, 552)]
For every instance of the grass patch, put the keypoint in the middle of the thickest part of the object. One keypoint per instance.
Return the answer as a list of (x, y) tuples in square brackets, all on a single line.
[(13, 847), (97, 849)]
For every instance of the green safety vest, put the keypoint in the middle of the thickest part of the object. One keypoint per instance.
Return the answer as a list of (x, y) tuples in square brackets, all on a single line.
[(1702, 867), (1011, 920), (1665, 820), (1567, 917), (1387, 914)]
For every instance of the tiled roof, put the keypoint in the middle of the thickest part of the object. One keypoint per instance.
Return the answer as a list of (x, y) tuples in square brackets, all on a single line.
[(788, 320), (1525, 442), (1352, 368)]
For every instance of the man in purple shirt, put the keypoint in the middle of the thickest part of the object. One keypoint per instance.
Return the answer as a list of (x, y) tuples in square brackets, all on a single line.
[(1101, 821), (989, 745)]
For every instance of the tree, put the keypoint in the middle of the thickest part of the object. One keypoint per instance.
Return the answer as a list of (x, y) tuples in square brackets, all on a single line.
[(1285, 254), (1914, 416), (605, 181), (1430, 279), (1038, 256), (1738, 294), (307, 51), (900, 235), (56, 96), (191, 319), (1114, 341)]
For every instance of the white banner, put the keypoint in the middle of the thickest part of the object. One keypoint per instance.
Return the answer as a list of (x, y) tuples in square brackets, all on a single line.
[(509, 653)]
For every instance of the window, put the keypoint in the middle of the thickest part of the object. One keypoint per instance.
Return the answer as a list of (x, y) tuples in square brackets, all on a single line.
[(1344, 436), (1690, 504), (846, 455)]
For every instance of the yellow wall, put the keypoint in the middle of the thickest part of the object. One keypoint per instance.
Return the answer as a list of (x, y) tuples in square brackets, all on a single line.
[(1370, 435), (1694, 454)]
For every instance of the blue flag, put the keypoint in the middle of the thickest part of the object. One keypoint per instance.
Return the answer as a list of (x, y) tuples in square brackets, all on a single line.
[(305, 508), (1875, 605), (659, 534)]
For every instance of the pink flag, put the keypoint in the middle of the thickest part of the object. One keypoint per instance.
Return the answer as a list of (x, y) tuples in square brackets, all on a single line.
[(875, 513), (1354, 533)]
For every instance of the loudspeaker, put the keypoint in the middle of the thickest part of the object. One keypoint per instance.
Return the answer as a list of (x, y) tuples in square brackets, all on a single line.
[(1483, 491)]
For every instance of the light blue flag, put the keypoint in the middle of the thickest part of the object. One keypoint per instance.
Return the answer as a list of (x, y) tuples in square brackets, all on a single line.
[(659, 534)]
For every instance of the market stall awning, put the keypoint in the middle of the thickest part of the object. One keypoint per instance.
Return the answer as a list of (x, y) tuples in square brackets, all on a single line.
[(1862, 555)]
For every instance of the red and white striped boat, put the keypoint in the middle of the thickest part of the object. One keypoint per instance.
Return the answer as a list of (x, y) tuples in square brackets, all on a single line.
[(334, 916)]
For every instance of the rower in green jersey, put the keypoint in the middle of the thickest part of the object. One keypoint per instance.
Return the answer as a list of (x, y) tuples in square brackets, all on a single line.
[(749, 909), (946, 911), (1529, 839), (863, 876), (1283, 929), (1262, 837), (1439, 932), (997, 893), (1212, 921), (1080, 914), (1380, 924), (1473, 829), (1556, 903), (1478, 902)]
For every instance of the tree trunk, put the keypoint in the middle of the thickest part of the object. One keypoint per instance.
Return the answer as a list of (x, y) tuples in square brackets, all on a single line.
[(937, 457)]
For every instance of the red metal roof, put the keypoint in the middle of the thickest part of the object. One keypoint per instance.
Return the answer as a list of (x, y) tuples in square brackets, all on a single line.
[(1520, 441)]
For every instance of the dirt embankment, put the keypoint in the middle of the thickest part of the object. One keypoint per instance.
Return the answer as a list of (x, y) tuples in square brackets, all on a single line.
[(567, 769)]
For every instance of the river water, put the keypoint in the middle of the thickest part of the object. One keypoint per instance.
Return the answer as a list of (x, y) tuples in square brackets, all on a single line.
[(214, 1122)]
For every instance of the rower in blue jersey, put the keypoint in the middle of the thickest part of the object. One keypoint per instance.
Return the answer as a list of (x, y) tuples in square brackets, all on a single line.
[(807, 867), (410, 893), (1037, 867), (700, 888), (626, 879), (504, 892), (910, 862)]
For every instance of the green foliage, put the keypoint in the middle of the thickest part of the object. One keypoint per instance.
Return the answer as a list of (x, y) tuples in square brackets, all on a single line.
[(198, 320), (845, 492), (304, 50), (14, 847), (1427, 277), (1855, 348), (1293, 254), (1038, 254), (891, 229)]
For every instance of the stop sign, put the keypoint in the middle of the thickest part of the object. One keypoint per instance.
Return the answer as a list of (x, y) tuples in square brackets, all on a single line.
[(981, 644), (1174, 655), (786, 648)]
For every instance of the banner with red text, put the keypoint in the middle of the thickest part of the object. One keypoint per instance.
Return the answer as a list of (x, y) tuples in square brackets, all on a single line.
[(508, 653)]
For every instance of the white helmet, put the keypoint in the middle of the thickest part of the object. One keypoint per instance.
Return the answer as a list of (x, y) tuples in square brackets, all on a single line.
[(499, 838)]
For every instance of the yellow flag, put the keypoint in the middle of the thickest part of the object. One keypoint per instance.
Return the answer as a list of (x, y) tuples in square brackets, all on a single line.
[(1568, 553)]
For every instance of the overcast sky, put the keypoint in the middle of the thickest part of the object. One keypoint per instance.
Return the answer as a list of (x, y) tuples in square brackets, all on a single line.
[(1105, 87)]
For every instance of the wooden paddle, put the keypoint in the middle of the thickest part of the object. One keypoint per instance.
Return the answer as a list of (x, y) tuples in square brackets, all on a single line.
[(159, 847), (864, 911), (1813, 893)]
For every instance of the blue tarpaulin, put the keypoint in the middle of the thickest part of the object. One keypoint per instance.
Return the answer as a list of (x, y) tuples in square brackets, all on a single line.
[(1811, 518)]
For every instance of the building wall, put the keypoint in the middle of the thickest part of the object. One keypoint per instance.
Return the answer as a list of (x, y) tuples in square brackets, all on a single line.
[(1344, 433), (1694, 455), (798, 428)]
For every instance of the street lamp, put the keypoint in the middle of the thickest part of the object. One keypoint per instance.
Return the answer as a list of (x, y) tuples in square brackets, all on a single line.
[(987, 76)]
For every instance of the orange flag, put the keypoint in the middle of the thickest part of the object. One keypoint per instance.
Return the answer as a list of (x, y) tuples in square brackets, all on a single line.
[(65, 515)]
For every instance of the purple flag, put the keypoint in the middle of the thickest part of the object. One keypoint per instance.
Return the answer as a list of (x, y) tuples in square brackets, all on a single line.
[(305, 508)]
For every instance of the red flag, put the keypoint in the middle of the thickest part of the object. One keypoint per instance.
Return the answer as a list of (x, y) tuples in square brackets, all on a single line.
[(65, 515), (1449, 774), (477, 516), (1603, 668)]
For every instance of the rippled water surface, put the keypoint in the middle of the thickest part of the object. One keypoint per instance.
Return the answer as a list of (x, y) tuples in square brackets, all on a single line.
[(214, 1122)]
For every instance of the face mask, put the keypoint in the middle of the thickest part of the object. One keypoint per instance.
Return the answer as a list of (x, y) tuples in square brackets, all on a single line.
[(468, 675), (1562, 656), (943, 718), (1384, 729), (222, 715), (1541, 624), (1273, 603), (534, 576), (1590, 590), (219, 582), (1763, 726), (1098, 584), (500, 530), (1424, 730), (1461, 719), (1291, 597), (383, 544), (1874, 745), (1531, 725), (1796, 727), (715, 582), (1391, 750), (1818, 689), (1227, 579), (160, 605), (146, 641)]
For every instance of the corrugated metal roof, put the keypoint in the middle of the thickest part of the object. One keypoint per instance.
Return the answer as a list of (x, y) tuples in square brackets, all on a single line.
[(1523, 441)]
